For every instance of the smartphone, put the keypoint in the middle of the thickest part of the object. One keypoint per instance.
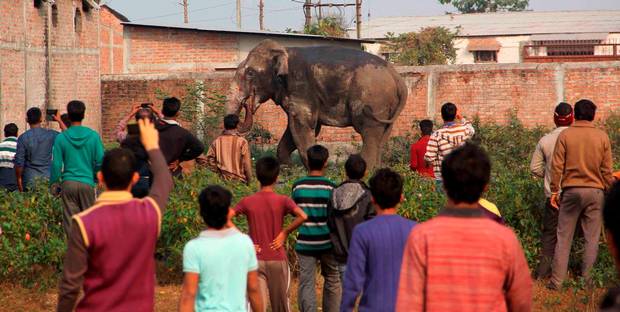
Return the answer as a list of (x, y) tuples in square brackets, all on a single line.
[(146, 105), (50, 114), (133, 129)]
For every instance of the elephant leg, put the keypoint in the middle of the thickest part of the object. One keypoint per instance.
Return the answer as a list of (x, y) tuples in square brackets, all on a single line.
[(372, 137), (286, 146), (302, 130), (384, 143)]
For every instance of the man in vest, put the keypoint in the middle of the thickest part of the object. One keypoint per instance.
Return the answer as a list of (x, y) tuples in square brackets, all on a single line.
[(111, 245)]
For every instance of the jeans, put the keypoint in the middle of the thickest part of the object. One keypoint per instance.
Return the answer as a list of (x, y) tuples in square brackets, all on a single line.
[(76, 197), (342, 268), (439, 186), (332, 290)]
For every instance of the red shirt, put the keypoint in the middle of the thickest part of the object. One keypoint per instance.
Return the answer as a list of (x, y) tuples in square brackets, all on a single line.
[(265, 212), (417, 162)]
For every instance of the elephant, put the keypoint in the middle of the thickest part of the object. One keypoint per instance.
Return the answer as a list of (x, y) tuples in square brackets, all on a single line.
[(317, 86)]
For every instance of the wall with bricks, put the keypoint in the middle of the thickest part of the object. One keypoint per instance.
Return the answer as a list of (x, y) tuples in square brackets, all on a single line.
[(30, 75), (111, 41), (490, 92)]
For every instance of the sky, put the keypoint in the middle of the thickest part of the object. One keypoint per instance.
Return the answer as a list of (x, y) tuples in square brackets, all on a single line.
[(283, 14)]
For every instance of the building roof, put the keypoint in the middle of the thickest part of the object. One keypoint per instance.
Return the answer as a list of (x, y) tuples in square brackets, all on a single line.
[(247, 32), (500, 23), (116, 13)]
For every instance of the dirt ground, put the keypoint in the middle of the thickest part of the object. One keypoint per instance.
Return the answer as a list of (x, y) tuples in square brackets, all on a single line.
[(14, 298)]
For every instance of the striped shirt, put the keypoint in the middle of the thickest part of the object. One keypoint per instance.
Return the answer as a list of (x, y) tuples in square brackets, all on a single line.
[(229, 156), (8, 148), (313, 195), (462, 261), (444, 140)]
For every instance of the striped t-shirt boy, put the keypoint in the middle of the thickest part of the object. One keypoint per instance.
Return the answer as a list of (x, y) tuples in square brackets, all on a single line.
[(8, 148), (313, 195)]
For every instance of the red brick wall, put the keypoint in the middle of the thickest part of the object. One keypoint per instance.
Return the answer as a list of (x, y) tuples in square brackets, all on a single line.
[(490, 92), (74, 60), (161, 50), (111, 43)]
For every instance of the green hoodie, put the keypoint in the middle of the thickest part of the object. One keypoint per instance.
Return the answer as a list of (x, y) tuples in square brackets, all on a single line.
[(77, 156)]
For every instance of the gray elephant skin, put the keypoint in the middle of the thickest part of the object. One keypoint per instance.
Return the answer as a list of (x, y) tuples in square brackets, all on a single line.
[(316, 86)]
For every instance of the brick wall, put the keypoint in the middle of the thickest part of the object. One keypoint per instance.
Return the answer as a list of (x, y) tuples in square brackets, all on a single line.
[(74, 59), (110, 42), (490, 92)]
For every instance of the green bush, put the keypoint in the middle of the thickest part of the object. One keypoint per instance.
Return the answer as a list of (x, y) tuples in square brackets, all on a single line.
[(37, 262)]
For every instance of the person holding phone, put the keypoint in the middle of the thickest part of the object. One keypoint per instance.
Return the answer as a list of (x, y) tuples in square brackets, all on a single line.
[(132, 143), (33, 157), (121, 128)]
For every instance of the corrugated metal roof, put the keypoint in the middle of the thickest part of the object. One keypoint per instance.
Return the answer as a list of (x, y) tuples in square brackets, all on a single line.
[(500, 23), (250, 32)]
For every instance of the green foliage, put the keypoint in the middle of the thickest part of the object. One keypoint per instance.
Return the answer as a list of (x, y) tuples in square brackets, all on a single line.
[(204, 108), (37, 262), (332, 26), (480, 6), (429, 46)]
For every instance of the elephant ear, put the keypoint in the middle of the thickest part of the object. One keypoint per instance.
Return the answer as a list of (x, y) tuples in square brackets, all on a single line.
[(280, 59)]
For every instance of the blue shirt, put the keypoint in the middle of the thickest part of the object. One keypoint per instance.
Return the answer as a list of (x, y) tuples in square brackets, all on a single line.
[(34, 153), (222, 259), (373, 266)]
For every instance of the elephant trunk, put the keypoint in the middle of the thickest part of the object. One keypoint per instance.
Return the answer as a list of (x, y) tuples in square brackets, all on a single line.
[(248, 121), (238, 101)]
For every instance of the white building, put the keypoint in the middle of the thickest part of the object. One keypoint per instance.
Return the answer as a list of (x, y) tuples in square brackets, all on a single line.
[(514, 37)]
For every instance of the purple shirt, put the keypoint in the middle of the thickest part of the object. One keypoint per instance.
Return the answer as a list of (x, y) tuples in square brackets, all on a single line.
[(373, 267)]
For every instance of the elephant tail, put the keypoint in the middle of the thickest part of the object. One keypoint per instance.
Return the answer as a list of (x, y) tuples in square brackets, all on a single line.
[(402, 102)]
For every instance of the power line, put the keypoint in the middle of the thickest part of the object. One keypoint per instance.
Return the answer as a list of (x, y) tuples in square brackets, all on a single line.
[(180, 13)]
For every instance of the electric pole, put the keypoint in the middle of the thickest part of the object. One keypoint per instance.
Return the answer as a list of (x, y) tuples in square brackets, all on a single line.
[(320, 10), (185, 11), (358, 18), (238, 14), (261, 14), (308, 12)]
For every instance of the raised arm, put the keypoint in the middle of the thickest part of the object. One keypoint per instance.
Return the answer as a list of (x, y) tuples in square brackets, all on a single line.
[(121, 128), (75, 265), (162, 180)]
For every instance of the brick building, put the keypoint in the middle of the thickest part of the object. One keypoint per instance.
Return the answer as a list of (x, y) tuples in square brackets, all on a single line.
[(49, 55)]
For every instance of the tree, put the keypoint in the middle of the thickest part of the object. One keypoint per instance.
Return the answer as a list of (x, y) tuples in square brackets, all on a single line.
[(429, 46), (331, 26), (480, 6)]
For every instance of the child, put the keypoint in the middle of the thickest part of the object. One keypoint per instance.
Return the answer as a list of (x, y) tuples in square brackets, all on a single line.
[(376, 249), (220, 264), (352, 205), (111, 245), (418, 150), (265, 211), (462, 260), (313, 194)]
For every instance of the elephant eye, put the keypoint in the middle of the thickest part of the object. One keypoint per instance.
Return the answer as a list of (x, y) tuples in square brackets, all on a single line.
[(250, 73)]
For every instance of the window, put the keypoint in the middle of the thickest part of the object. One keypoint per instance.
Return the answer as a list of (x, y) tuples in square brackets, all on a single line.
[(569, 47), (485, 56), (77, 21), (54, 15)]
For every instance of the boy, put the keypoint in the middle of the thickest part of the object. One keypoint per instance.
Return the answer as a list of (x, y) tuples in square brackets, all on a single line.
[(76, 159), (220, 264), (452, 135), (313, 194), (351, 205), (376, 250), (418, 150), (265, 211), (178, 144), (229, 154), (8, 147), (462, 260), (111, 245)]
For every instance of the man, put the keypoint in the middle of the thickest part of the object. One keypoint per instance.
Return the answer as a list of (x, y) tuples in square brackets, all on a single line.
[(33, 158), (111, 246), (178, 144), (582, 168), (461, 260), (376, 250), (8, 147), (452, 135), (418, 150), (541, 167), (78, 152), (611, 218), (229, 154), (121, 128)]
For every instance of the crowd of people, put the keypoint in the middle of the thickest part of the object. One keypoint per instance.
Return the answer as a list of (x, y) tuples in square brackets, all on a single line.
[(370, 257)]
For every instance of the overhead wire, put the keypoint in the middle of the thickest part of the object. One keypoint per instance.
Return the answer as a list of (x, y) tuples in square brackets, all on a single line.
[(190, 11)]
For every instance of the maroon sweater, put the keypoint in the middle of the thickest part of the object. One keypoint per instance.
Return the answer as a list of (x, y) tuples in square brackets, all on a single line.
[(111, 249)]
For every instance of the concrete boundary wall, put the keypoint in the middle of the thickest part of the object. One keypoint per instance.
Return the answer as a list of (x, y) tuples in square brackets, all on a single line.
[(490, 92)]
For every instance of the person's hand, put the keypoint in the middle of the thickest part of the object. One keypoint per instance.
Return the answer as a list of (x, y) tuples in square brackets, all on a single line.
[(156, 111), (257, 248), (56, 117), (135, 109), (148, 134), (278, 242), (458, 114), (555, 201)]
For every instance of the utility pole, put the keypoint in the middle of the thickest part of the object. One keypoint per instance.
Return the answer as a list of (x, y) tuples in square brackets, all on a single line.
[(308, 12), (320, 10), (358, 18), (185, 11), (261, 14), (238, 14)]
